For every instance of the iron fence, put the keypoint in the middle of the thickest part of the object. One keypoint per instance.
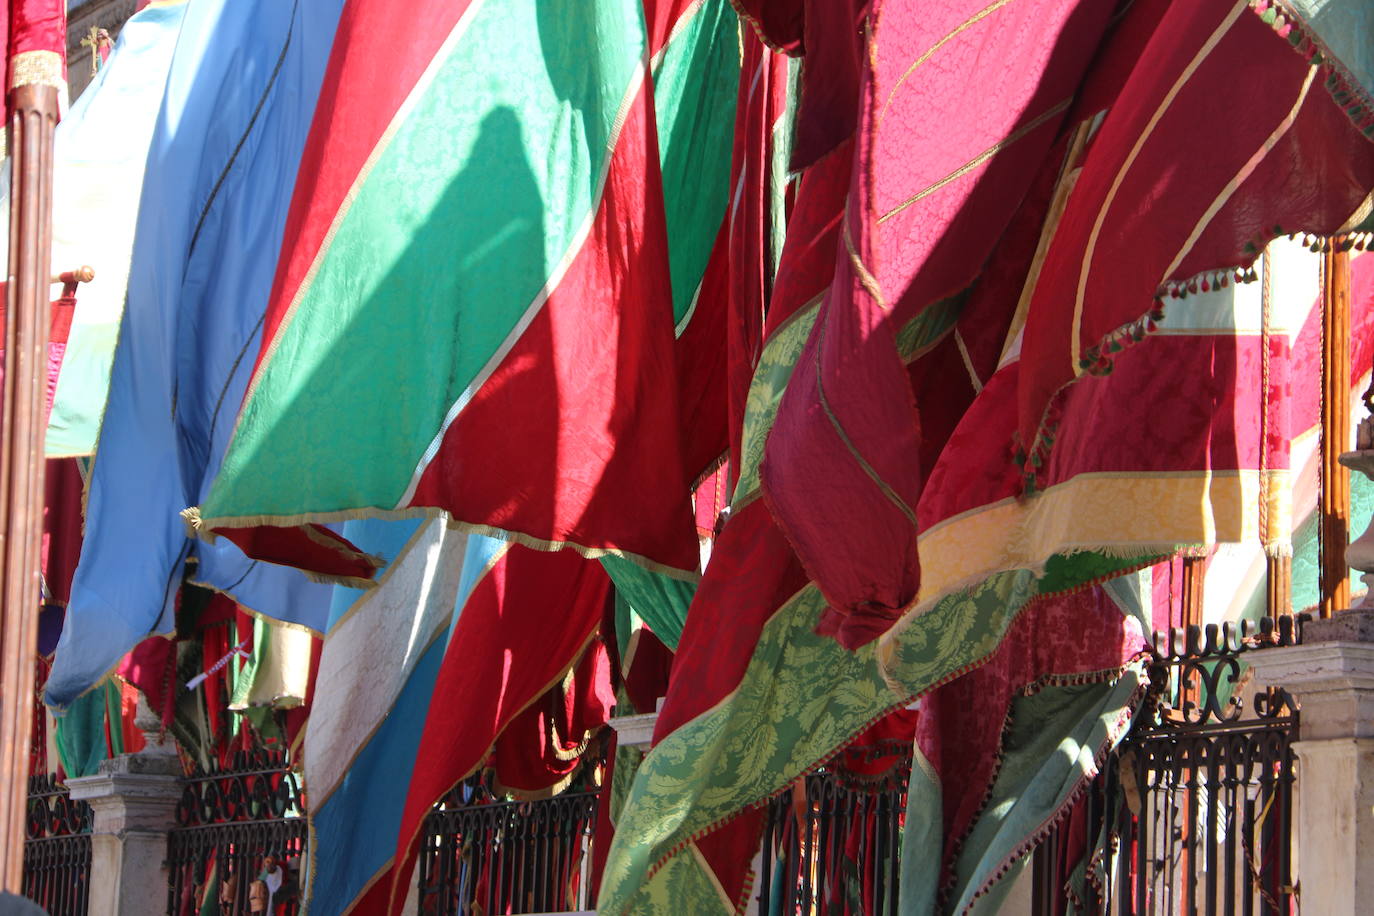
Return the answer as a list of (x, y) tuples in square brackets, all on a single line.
[(484, 854), (57, 848), (229, 821), (1194, 812), (834, 846)]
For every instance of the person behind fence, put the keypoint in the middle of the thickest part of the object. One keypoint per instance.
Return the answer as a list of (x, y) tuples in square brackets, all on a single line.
[(261, 893), (228, 889)]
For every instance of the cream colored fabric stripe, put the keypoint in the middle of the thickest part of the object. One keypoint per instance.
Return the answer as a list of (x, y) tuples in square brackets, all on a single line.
[(370, 654)]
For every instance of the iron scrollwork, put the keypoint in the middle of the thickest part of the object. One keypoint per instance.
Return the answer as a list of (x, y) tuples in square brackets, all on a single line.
[(230, 820), (57, 848), (1194, 811), (483, 852), (258, 786)]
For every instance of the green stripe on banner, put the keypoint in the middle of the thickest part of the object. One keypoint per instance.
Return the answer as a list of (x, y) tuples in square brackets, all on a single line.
[(659, 600), (696, 86), (487, 185)]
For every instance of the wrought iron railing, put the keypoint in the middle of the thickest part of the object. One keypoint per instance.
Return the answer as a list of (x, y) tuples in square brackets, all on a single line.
[(484, 854), (832, 845), (229, 821), (1194, 812), (57, 848)]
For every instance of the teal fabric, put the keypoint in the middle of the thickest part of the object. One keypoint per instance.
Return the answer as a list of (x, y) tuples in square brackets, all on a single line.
[(1306, 551), (81, 733), (1345, 27), (660, 601), (1048, 751)]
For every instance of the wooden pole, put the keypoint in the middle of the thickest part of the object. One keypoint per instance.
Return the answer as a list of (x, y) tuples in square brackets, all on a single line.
[(33, 116), (1194, 572), (1335, 432)]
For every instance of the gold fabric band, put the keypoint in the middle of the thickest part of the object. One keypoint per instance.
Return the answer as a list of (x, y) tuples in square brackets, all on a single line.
[(36, 68)]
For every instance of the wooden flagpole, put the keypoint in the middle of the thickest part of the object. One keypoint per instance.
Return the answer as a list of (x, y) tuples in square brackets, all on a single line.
[(1335, 432), (33, 117)]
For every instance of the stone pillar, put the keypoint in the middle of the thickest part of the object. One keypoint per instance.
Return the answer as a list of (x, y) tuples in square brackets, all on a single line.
[(133, 798), (1331, 674)]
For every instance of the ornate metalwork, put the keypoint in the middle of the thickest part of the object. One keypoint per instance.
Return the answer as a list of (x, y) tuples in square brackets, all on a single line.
[(1193, 813), (229, 821), (57, 848), (831, 838), (482, 853), (259, 786)]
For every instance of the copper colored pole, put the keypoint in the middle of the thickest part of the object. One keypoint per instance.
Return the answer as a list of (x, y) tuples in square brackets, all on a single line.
[(1194, 571), (1335, 433), (1279, 599), (33, 115)]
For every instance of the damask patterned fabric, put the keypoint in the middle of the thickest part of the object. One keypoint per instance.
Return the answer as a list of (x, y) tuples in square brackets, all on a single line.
[(1165, 451)]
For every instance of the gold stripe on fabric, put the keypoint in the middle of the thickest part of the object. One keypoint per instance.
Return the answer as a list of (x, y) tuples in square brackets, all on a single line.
[(1113, 513), (866, 278), (1359, 217), (891, 495), (205, 529), (1239, 178), (1059, 202), (968, 361), (37, 68), (1208, 46), (978, 160), (323, 792), (684, 21), (948, 37)]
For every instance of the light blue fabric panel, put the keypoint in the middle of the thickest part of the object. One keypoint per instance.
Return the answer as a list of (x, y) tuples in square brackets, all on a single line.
[(381, 538), (1345, 27), (239, 102)]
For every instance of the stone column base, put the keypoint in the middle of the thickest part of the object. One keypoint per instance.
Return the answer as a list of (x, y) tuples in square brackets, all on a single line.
[(133, 798)]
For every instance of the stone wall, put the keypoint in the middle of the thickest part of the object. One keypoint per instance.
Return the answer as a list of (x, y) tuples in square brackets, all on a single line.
[(109, 15)]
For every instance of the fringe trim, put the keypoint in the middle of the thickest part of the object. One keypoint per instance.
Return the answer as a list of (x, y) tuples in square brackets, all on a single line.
[(1030, 689), (714, 465), (1279, 549), (204, 529), (524, 795), (1144, 554), (1354, 100), (947, 871), (350, 581), (1099, 359), (342, 547), (1038, 836), (1345, 90)]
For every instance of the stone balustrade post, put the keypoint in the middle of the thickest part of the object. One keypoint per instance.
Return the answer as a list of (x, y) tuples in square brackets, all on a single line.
[(1331, 674), (133, 798)]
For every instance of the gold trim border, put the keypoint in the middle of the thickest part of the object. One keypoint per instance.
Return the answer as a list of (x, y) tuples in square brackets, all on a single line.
[(37, 68)]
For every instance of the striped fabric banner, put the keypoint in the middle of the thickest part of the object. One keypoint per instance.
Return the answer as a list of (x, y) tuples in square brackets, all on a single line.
[(497, 248)]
